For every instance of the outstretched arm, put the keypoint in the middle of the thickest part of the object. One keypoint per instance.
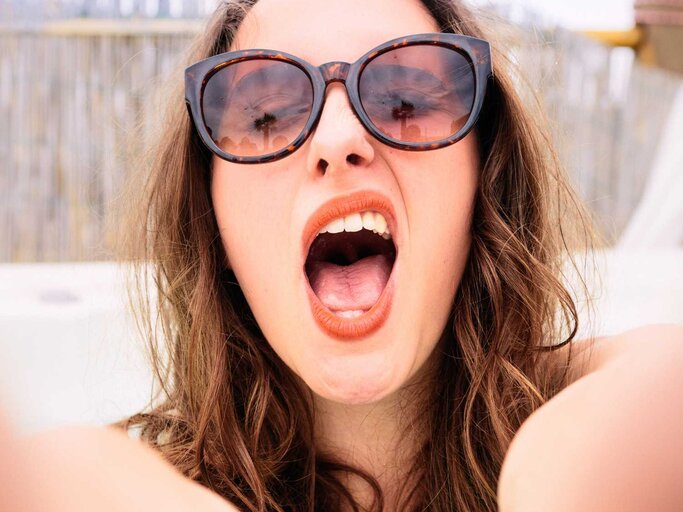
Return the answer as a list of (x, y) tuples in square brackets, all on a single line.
[(611, 441), (87, 468)]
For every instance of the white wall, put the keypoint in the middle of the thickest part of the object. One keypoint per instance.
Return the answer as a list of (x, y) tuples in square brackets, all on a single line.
[(69, 353)]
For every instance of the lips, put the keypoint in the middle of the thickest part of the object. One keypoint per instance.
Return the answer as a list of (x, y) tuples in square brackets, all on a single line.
[(360, 323)]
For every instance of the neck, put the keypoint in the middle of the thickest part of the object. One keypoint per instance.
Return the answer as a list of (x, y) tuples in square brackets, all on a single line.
[(367, 438), (381, 438)]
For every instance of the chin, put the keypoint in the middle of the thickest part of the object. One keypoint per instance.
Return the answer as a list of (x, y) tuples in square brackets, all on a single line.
[(352, 381), (354, 394)]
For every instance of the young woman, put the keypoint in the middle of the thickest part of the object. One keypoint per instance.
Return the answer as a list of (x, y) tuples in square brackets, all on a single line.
[(356, 233)]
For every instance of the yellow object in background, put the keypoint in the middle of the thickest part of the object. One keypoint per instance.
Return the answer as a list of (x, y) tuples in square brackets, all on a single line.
[(625, 38), (657, 37)]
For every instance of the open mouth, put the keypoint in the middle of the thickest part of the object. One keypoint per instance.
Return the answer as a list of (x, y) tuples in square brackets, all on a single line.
[(350, 253), (348, 271)]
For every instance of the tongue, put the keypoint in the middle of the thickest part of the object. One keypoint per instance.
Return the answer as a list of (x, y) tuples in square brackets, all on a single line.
[(353, 287)]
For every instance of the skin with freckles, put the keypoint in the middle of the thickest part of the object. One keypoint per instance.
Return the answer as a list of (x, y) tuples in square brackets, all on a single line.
[(262, 209)]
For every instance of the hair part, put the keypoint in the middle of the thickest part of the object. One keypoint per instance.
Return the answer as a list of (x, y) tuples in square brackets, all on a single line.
[(231, 415)]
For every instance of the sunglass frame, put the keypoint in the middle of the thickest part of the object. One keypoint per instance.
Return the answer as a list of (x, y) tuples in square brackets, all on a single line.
[(477, 51)]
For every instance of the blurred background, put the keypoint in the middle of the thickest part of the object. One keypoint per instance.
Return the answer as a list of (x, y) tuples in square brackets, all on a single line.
[(76, 77)]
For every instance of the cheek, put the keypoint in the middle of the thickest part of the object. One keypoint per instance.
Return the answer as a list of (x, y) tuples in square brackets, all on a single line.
[(439, 193), (246, 227), (255, 208), (441, 196)]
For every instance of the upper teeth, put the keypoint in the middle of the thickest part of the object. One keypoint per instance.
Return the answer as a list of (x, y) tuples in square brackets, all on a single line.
[(373, 221)]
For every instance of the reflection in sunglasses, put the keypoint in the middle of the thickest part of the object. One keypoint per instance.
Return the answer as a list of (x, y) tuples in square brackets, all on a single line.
[(429, 100), (419, 93), (261, 104)]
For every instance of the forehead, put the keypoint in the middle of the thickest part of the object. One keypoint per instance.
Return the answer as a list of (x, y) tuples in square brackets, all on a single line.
[(327, 30)]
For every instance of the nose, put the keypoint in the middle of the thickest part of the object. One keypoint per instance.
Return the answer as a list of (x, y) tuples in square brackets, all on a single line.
[(340, 142)]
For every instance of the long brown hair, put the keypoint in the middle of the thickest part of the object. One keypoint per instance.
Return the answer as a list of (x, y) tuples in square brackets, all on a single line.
[(231, 415)]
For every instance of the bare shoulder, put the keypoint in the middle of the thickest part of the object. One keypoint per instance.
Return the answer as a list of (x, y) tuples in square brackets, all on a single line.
[(100, 468), (588, 355), (611, 439)]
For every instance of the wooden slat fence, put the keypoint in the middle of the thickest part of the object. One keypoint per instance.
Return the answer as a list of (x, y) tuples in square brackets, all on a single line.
[(607, 114), (68, 99), (68, 104), (30, 11)]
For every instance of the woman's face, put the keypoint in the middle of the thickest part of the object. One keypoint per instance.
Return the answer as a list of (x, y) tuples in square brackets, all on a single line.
[(263, 210)]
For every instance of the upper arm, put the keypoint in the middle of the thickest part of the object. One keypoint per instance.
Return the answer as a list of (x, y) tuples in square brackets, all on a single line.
[(87, 468), (610, 441)]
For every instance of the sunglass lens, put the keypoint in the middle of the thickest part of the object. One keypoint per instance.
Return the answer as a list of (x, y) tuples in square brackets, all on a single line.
[(419, 93), (256, 107)]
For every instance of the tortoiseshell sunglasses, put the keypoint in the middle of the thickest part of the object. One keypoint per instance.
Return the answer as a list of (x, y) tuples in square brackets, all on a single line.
[(415, 93)]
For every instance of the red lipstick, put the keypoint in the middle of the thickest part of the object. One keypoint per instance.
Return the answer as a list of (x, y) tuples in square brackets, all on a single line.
[(372, 319)]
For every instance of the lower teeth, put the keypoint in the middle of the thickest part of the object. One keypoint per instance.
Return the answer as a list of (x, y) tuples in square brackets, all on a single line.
[(349, 314)]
